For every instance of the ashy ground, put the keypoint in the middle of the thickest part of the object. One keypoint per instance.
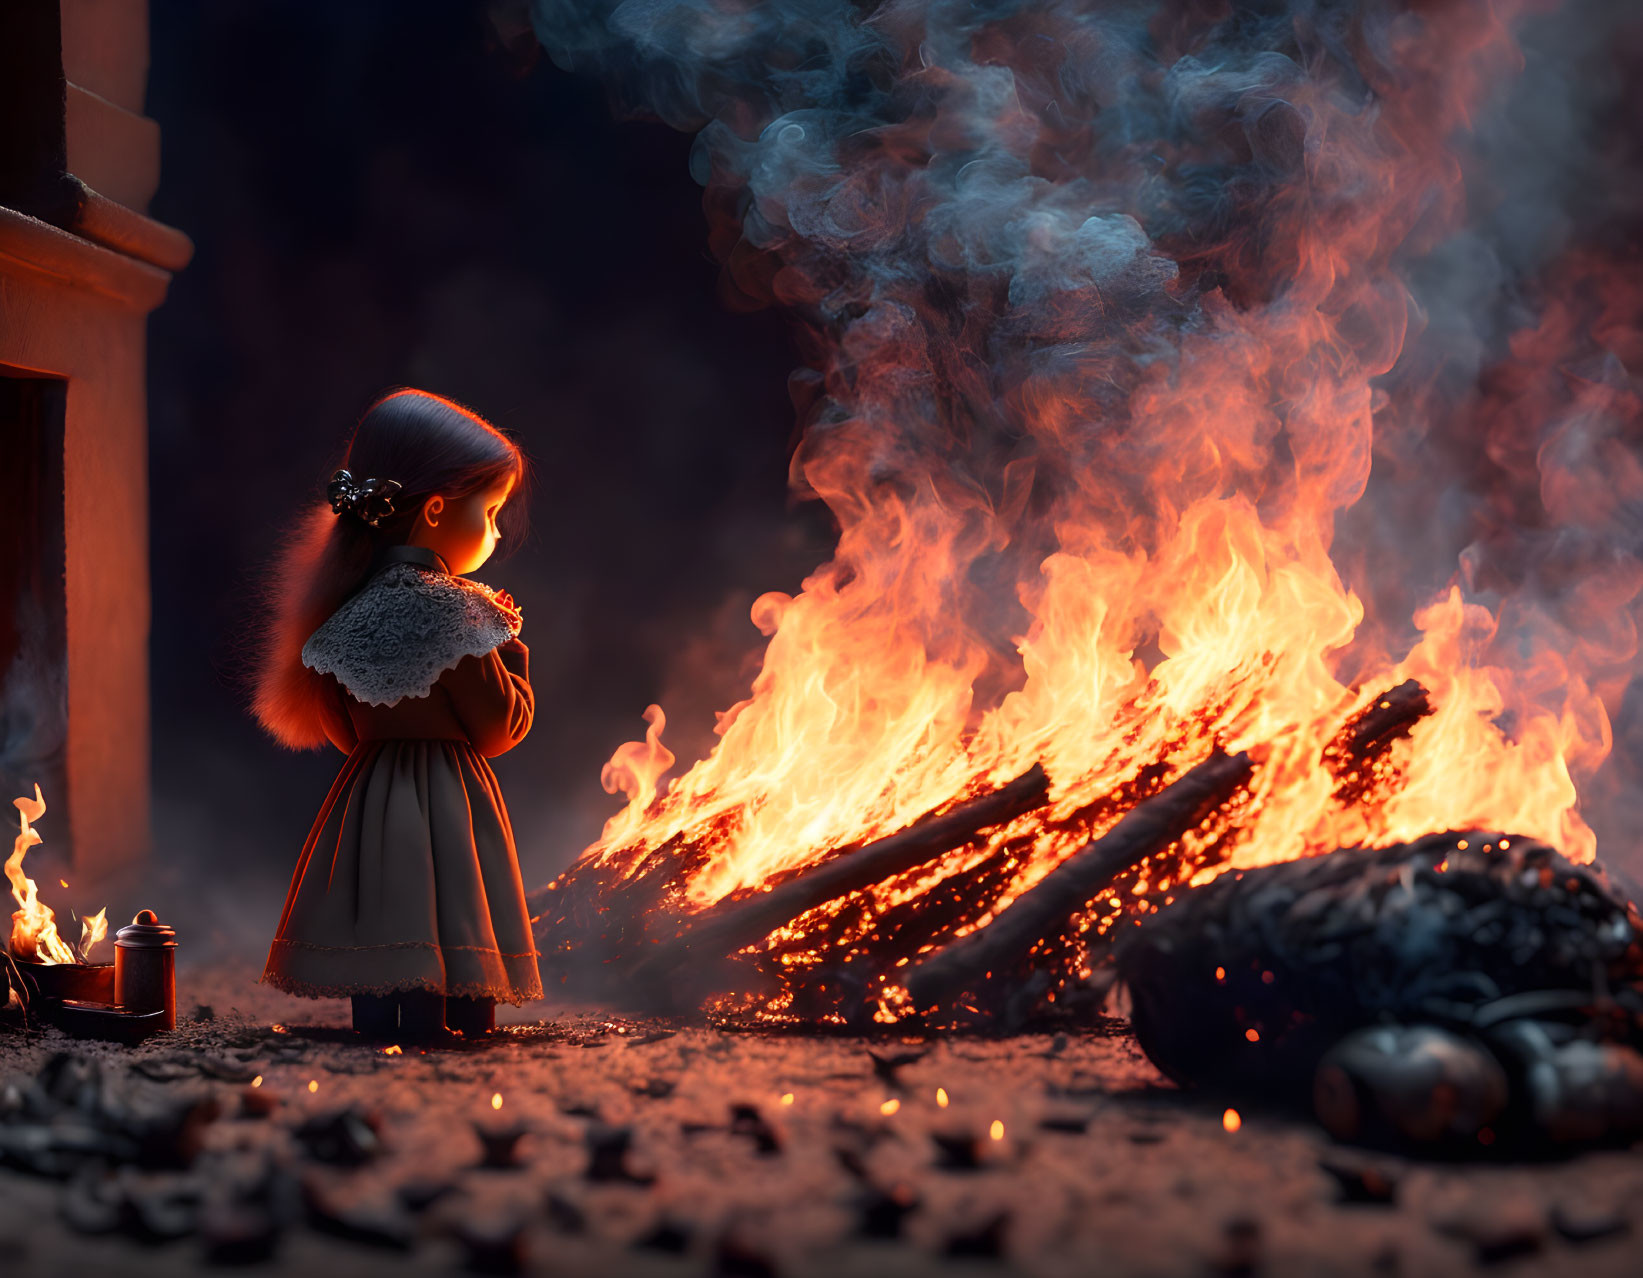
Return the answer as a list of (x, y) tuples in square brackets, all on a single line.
[(657, 1149)]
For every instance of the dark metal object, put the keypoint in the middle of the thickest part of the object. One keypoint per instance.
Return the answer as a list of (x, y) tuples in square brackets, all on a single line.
[(100, 1020), (91, 982), (145, 974)]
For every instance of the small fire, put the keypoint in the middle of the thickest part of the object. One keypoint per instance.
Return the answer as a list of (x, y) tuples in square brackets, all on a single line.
[(34, 932)]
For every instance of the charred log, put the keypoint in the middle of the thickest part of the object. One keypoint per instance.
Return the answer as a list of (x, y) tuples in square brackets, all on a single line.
[(1249, 980), (599, 914), (1050, 906), (738, 922)]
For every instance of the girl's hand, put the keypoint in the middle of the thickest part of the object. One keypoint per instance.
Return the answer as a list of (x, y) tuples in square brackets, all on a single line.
[(515, 656), (503, 600)]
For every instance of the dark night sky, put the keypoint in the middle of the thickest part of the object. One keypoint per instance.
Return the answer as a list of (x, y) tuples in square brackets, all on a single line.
[(381, 194)]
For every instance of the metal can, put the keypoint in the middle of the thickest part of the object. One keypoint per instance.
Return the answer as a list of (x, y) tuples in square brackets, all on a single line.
[(145, 967)]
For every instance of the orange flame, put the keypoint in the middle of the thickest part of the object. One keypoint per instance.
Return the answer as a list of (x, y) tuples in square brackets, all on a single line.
[(93, 928), (864, 714), (634, 770), (33, 924)]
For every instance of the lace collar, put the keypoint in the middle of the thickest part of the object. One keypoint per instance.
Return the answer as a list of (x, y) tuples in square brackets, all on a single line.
[(407, 626)]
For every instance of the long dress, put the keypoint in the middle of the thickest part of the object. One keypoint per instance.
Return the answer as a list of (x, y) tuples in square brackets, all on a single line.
[(409, 878)]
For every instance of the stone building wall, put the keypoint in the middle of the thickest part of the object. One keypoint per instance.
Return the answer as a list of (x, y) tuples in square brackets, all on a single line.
[(81, 266)]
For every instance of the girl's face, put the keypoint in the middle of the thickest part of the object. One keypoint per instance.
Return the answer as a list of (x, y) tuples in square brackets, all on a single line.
[(462, 530)]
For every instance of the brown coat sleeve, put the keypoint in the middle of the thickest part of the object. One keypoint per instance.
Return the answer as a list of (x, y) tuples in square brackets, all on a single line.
[(333, 713), (492, 698)]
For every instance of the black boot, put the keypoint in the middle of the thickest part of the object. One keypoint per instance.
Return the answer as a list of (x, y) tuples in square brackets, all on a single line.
[(421, 1016), (470, 1017), (375, 1016)]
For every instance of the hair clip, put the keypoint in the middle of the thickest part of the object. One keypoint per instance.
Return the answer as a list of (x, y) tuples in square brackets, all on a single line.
[(371, 501)]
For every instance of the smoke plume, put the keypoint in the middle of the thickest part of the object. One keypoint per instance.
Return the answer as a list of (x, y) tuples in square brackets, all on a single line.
[(1328, 310)]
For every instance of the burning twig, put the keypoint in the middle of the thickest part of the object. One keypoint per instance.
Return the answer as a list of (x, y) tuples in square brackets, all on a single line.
[(1145, 830), (738, 923)]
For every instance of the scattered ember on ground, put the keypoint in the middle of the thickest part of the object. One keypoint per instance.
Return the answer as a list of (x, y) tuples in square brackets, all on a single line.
[(1103, 1159)]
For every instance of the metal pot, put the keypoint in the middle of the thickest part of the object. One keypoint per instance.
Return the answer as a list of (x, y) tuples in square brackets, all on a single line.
[(145, 973), (89, 982)]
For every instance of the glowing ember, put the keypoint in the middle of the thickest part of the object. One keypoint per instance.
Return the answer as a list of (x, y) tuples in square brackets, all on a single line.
[(496, 1100), (34, 932), (889, 1107), (941, 1098), (996, 1131), (1232, 1120)]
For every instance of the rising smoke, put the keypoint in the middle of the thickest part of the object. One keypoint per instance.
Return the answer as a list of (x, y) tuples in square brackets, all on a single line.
[(1063, 273)]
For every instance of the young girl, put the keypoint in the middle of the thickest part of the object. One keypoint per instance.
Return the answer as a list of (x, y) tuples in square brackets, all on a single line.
[(408, 896)]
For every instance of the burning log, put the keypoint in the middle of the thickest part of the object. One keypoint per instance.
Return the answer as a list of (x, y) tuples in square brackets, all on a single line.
[(1354, 753), (1145, 830), (1386, 719), (737, 923)]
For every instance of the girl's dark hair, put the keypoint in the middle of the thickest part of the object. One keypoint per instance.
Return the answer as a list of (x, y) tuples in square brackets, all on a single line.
[(427, 444)]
